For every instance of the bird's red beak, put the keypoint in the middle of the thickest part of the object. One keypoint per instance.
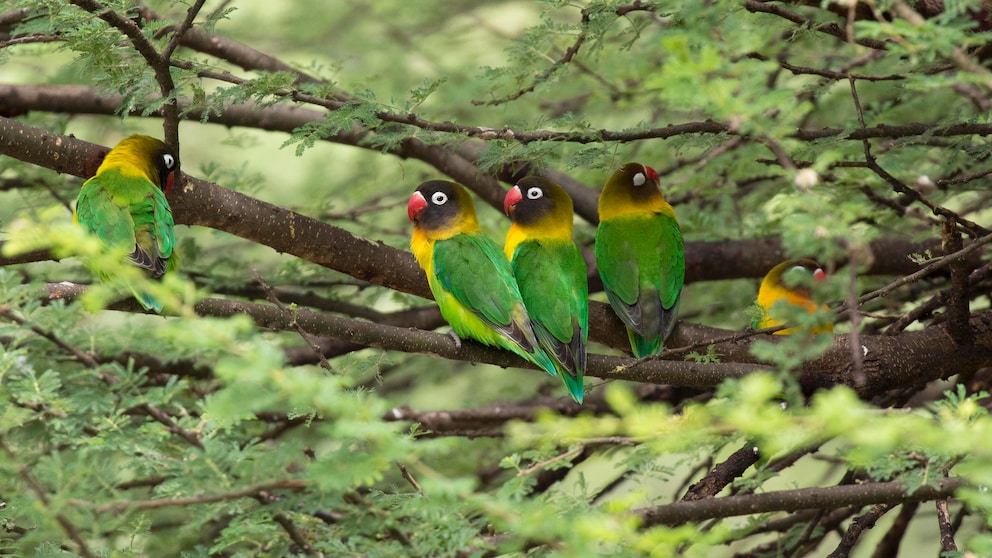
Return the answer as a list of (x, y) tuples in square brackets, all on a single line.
[(651, 173), (819, 274), (511, 200), (417, 204)]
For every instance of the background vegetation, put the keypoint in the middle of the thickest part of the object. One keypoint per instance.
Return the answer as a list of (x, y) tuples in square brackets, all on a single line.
[(296, 400)]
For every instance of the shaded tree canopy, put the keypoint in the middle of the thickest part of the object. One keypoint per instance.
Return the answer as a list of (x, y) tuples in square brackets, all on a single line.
[(295, 398)]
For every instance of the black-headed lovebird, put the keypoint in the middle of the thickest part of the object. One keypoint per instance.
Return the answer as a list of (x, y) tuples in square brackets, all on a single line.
[(551, 274), (124, 205), (470, 277), (639, 253), (796, 290)]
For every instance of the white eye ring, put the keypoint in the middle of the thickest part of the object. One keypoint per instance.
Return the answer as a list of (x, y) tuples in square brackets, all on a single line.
[(439, 198), (639, 179), (800, 268), (169, 160), (534, 193)]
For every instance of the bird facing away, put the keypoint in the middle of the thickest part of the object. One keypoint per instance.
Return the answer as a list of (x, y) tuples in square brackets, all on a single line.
[(789, 283), (470, 277), (640, 256), (551, 274), (124, 205)]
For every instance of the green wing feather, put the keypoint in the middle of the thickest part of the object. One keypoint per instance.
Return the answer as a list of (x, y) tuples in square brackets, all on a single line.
[(474, 271), (551, 275), (130, 212), (642, 264)]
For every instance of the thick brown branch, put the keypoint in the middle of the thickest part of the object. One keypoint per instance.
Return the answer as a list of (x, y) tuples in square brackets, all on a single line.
[(794, 500), (957, 298), (206, 204), (912, 358)]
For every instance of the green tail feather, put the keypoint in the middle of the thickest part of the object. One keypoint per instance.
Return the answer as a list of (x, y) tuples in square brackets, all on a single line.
[(643, 346), (147, 301), (541, 359), (575, 386)]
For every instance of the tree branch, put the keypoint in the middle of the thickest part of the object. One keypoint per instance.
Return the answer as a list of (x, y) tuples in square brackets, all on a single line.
[(156, 61), (858, 526), (794, 500), (912, 358), (128, 505)]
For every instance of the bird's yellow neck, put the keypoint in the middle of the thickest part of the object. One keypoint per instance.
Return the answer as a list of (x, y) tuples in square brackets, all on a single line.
[(611, 207), (128, 163), (422, 248), (771, 293), (546, 229), (422, 240)]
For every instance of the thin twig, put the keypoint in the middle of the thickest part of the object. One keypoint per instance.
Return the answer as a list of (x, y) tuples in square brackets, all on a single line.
[(929, 269), (117, 507), (83, 356), (40, 493), (409, 478), (181, 29), (544, 464), (972, 228), (294, 534), (309, 339), (569, 54)]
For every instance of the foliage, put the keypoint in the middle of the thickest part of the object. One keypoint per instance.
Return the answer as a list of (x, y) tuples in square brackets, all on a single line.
[(247, 422)]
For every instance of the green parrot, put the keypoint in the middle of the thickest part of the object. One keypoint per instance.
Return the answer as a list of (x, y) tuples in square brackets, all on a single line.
[(551, 274), (124, 205), (640, 256), (470, 277)]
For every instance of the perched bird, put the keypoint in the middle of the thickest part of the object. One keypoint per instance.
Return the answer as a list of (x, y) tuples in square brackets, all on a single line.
[(795, 290), (124, 205), (640, 256), (470, 277), (551, 274)]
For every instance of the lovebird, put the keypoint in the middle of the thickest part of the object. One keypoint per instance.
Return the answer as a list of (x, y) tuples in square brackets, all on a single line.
[(551, 274), (470, 277), (789, 281), (124, 205), (640, 256)]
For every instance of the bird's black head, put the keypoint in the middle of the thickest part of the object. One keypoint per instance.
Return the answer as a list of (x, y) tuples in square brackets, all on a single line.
[(437, 205), (534, 199), (166, 166)]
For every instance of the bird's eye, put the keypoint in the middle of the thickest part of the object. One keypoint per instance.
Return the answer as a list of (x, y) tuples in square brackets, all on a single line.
[(534, 193), (169, 160), (439, 198), (799, 268), (639, 179)]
